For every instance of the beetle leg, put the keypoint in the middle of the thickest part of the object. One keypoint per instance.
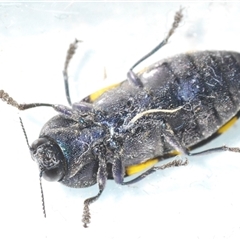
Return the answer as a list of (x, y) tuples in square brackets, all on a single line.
[(79, 114), (131, 76), (83, 107), (86, 212), (118, 170), (134, 79), (99, 151), (9, 100), (167, 133), (173, 141), (174, 163), (217, 149), (70, 53)]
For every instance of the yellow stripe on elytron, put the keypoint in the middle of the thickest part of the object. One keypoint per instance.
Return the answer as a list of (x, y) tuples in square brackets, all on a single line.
[(140, 167), (98, 93), (174, 153), (226, 126)]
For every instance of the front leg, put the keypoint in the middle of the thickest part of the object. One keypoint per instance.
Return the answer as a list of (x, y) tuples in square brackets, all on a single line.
[(100, 153)]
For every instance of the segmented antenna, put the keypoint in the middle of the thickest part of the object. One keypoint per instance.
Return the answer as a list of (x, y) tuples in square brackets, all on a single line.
[(42, 196), (9, 100), (24, 132), (40, 176)]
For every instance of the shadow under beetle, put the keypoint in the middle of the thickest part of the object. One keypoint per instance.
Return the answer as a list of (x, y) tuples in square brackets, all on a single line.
[(171, 106)]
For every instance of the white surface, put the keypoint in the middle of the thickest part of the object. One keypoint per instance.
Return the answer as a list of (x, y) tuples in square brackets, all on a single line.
[(200, 201)]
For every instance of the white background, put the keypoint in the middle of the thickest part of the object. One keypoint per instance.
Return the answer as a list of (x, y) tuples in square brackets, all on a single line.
[(200, 201)]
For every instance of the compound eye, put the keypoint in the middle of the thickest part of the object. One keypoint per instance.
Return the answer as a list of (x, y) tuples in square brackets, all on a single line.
[(53, 175), (49, 158)]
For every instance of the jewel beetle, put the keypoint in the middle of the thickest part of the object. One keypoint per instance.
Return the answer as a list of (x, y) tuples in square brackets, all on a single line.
[(167, 109)]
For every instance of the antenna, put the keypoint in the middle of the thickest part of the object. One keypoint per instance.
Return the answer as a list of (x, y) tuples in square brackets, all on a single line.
[(42, 196), (40, 176), (9, 100), (24, 132)]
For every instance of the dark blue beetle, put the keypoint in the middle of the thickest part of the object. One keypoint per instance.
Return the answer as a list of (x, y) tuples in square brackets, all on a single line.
[(171, 106)]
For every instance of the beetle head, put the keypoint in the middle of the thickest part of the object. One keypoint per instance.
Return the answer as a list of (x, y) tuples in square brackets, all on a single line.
[(49, 158)]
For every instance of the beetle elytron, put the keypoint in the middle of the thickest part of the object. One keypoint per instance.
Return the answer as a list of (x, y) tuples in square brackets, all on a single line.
[(171, 106)]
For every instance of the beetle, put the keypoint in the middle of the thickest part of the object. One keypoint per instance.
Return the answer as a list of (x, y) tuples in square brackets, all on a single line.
[(167, 109)]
